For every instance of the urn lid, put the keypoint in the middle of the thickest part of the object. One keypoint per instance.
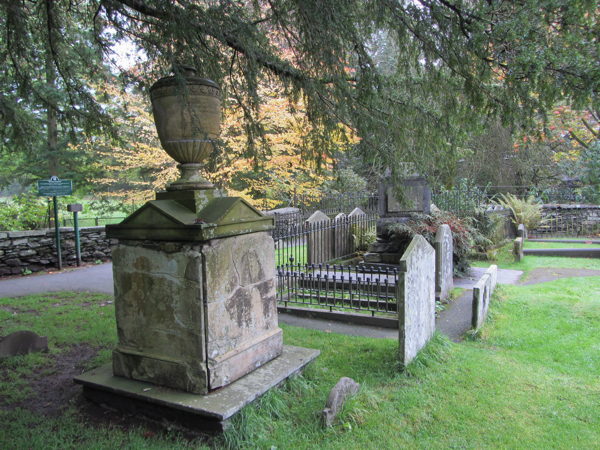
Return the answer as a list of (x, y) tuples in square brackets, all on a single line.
[(184, 74)]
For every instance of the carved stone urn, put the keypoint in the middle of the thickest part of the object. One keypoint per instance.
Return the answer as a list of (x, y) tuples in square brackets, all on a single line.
[(187, 113)]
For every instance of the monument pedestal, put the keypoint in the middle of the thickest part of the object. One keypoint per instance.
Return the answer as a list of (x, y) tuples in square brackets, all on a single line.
[(210, 412), (196, 310)]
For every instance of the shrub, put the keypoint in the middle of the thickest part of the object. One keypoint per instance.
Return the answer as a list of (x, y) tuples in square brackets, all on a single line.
[(465, 237), (25, 211), (528, 212)]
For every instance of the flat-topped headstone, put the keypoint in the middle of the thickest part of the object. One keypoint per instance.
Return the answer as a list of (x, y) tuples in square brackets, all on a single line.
[(482, 293), (518, 249), (522, 231), (415, 197), (492, 271), (416, 298), (444, 262)]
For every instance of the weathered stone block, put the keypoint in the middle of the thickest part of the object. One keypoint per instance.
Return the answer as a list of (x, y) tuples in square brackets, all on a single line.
[(416, 298), (195, 316), (482, 292), (518, 249), (25, 253), (444, 262)]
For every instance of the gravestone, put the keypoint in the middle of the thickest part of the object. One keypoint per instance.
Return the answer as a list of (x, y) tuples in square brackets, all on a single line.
[(341, 236), (357, 212), (444, 262), (482, 292), (522, 231), (518, 249), (416, 298), (319, 239), (492, 271), (335, 401)]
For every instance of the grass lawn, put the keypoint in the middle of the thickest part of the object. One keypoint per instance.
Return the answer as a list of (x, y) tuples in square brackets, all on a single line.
[(282, 255), (505, 260), (529, 244), (530, 380)]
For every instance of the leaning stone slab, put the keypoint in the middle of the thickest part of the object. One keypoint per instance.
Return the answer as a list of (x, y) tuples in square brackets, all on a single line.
[(518, 249), (444, 262), (492, 271), (210, 412), (22, 343), (338, 395), (482, 292), (416, 298)]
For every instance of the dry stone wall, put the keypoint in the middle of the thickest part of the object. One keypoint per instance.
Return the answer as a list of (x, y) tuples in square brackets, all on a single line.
[(33, 251)]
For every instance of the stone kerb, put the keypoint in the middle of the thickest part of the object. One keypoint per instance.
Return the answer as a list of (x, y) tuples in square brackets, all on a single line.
[(444, 262), (416, 298), (319, 243), (482, 292), (518, 249)]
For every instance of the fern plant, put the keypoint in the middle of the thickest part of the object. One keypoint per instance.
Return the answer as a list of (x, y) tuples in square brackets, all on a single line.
[(526, 211)]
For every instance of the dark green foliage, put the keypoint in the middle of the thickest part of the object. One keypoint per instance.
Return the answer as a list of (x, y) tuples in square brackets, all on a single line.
[(466, 238), (413, 79), (25, 211)]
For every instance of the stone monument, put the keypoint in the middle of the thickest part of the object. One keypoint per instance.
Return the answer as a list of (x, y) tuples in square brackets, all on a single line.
[(393, 209), (194, 280)]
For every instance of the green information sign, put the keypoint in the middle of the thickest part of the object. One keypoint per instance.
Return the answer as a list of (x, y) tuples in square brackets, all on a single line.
[(54, 187)]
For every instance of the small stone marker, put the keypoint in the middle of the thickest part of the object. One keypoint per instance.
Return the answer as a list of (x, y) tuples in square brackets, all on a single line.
[(338, 395), (518, 249), (444, 262), (481, 301), (493, 273), (522, 231), (416, 298), (22, 343)]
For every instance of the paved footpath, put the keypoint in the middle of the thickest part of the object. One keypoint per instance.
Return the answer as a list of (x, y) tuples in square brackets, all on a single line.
[(453, 321)]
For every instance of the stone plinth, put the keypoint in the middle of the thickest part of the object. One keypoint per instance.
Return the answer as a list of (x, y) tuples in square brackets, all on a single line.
[(194, 292), (195, 316), (211, 412)]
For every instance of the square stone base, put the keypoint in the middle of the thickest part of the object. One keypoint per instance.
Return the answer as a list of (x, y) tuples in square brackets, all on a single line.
[(210, 412)]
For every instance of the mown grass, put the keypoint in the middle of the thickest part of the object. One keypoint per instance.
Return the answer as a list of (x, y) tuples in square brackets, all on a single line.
[(504, 258), (583, 244), (529, 380)]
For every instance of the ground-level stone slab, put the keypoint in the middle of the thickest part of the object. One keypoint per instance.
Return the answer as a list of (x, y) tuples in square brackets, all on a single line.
[(210, 412)]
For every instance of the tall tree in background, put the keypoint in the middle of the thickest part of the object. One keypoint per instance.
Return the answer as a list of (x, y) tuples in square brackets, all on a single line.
[(449, 65)]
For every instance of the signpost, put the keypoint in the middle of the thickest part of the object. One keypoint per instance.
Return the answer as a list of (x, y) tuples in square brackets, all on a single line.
[(55, 187)]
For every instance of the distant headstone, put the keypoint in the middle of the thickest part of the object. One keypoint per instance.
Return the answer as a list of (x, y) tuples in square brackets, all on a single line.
[(416, 197), (416, 298), (482, 292), (338, 395), (319, 239), (342, 235), (522, 231), (444, 262), (357, 212), (518, 249), (22, 343)]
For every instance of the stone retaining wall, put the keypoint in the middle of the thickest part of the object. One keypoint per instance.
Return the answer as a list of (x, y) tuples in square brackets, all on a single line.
[(33, 251)]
